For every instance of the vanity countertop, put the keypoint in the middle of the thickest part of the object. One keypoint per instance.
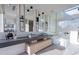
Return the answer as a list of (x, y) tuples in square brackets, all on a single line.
[(6, 43)]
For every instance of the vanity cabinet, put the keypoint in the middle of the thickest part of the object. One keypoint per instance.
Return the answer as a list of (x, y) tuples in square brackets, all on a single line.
[(13, 49)]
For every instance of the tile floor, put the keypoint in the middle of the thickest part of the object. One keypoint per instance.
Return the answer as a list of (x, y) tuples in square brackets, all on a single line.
[(51, 50), (72, 49)]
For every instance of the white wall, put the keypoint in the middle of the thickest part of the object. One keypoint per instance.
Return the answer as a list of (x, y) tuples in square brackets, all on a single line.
[(52, 23), (1, 23)]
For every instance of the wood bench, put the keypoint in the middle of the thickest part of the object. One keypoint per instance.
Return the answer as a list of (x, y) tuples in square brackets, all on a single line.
[(32, 48)]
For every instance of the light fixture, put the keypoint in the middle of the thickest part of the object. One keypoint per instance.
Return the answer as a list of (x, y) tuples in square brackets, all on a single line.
[(72, 11), (38, 14), (31, 7), (37, 19), (27, 10), (42, 12)]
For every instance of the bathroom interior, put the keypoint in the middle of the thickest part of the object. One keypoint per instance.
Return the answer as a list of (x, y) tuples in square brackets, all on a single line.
[(39, 29)]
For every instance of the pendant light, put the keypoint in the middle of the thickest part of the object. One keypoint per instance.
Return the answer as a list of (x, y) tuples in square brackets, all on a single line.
[(38, 14), (31, 7), (42, 12), (28, 10)]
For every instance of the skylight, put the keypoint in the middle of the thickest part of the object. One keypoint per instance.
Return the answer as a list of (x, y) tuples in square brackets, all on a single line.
[(72, 11)]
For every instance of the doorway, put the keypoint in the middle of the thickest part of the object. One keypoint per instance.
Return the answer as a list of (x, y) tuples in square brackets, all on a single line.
[(30, 26)]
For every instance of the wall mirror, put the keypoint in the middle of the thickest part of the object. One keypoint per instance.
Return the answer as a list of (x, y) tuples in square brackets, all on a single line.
[(10, 14)]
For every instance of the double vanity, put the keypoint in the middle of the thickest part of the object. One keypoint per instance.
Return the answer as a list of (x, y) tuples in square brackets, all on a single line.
[(30, 44)]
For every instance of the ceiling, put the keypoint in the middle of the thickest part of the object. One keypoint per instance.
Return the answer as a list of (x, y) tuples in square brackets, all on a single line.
[(48, 8)]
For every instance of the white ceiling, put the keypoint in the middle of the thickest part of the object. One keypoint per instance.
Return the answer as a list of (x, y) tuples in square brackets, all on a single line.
[(48, 8)]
